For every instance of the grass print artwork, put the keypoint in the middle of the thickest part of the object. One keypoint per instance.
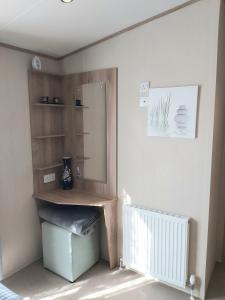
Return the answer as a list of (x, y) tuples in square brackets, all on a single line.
[(172, 112)]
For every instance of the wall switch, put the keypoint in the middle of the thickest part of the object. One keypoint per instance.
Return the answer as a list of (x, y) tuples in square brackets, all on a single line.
[(144, 93), (49, 178), (144, 89)]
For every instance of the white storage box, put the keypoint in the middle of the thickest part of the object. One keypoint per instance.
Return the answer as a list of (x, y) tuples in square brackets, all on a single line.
[(67, 254)]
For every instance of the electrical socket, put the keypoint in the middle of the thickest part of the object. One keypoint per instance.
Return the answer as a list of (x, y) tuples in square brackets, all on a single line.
[(49, 178)]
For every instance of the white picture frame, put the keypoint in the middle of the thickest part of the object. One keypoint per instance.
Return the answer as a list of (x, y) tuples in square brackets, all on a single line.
[(172, 112)]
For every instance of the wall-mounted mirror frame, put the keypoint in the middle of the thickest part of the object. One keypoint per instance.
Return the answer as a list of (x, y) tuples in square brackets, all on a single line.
[(72, 89)]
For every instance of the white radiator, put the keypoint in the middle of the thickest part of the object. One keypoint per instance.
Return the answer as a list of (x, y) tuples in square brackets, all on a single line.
[(156, 244)]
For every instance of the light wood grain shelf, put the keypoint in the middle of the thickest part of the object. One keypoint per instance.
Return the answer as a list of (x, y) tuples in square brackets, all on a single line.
[(80, 158), (53, 166), (73, 197), (79, 107), (45, 73), (51, 136), (48, 105), (81, 133)]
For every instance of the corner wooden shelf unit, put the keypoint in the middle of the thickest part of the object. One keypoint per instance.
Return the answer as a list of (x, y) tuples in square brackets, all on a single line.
[(57, 131)]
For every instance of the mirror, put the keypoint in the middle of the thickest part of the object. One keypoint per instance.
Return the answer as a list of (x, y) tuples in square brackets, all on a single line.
[(95, 131), (91, 130)]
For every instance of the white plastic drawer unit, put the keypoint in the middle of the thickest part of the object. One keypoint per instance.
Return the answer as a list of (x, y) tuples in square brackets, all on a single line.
[(67, 254)]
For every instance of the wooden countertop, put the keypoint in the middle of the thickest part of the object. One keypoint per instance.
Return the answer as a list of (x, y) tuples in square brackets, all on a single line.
[(73, 197)]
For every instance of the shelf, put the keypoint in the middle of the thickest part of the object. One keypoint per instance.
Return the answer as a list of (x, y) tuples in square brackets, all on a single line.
[(56, 165), (48, 105), (79, 107), (82, 133), (44, 73), (74, 197), (40, 137), (80, 158)]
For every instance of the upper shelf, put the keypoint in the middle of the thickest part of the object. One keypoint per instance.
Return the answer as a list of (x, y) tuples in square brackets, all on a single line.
[(48, 105), (58, 105), (44, 73)]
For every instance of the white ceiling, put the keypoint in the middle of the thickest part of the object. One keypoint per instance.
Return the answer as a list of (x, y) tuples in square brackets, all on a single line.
[(54, 28)]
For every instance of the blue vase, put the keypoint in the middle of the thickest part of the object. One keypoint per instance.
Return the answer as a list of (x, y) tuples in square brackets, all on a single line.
[(67, 177)]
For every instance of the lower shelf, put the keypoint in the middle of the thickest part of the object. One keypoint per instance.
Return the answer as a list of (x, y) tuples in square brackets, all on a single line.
[(50, 136)]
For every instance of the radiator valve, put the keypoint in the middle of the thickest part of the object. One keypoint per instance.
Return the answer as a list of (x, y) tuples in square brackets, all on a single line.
[(191, 284), (122, 266)]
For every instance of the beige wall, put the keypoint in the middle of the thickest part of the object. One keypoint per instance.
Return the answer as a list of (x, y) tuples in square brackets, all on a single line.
[(161, 173), (19, 224), (217, 199)]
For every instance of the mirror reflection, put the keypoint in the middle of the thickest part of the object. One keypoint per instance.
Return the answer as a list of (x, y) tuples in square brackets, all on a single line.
[(94, 124)]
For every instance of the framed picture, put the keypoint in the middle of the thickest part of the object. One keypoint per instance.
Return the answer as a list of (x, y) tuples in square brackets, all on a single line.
[(172, 112)]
